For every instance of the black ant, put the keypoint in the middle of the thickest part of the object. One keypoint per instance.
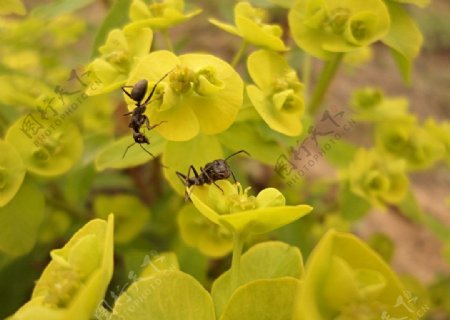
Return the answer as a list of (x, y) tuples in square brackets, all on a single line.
[(138, 117), (213, 171)]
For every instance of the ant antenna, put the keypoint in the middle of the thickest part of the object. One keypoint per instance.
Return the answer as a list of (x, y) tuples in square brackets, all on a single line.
[(233, 154)]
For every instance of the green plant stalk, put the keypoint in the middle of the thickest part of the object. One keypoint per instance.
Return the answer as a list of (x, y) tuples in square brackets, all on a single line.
[(328, 73), (238, 244), (166, 37), (238, 56), (306, 75)]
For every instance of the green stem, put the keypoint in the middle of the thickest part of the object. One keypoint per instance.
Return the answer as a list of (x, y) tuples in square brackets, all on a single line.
[(60, 204), (324, 81), (306, 75), (238, 244), (238, 56), (166, 37)]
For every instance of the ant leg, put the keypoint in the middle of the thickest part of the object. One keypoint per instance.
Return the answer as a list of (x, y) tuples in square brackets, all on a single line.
[(147, 151), (182, 177), (183, 180), (203, 171), (128, 113), (153, 126), (126, 92), (126, 150), (191, 167), (218, 187)]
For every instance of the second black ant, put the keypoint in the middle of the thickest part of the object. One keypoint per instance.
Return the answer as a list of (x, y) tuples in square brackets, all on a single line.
[(213, 171), (138, 117)]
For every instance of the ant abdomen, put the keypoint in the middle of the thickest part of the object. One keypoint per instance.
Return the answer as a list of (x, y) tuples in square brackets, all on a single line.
[(139, 90)]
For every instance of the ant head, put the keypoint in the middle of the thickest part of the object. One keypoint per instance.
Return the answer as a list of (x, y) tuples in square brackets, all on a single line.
[(220, 169), (140, 138), (139, 90)]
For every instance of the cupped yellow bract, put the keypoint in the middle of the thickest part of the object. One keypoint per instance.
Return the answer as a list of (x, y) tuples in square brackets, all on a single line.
[(278, 94), (76, 279), (370, 104), (404, 138), (197, 231), (12, 172), (159, 14), (355, 283), (441, 133), (202, 93), (325, 27), (251, 27), (242, 213), (118, 55), (378, 179), (51, 152)]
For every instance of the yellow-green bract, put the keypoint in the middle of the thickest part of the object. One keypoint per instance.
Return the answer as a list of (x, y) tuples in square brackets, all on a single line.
[(12, 172), (404, 138), (209, 238), (378, 179), (323, 28), (278, 94), (202, 93), (244, 214), (345, 279), (159, 15), (251, 27), (119, 54), (75, 281)]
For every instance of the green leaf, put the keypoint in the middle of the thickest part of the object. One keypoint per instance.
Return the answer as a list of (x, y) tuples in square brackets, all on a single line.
[(178, 156), (341, 152), (116, 18), (163, 262), (12, 6), (21, 219), (169, 295), (267, 260), (411, 209), (244, 135), (192, 261), (58, 7), (404, 38), (264, 299), (112, 156), (12, 172), (130, 213), (352, 207)]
